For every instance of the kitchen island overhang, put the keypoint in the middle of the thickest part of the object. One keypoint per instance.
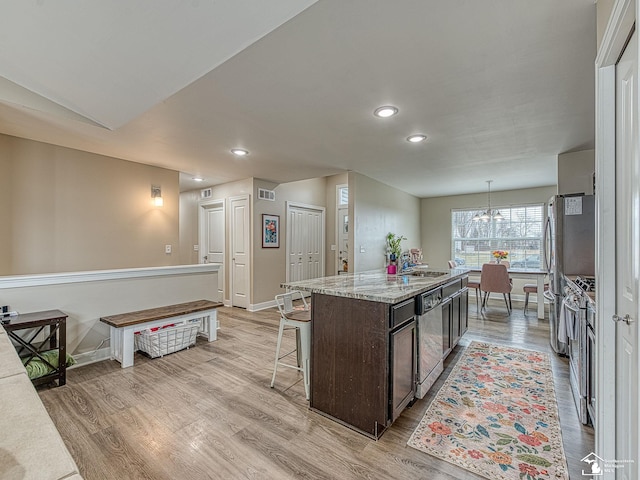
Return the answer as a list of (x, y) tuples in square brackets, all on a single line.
[(364, 343)]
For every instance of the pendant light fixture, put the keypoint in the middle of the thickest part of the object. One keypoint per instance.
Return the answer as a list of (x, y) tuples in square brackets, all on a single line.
[(488, 213)]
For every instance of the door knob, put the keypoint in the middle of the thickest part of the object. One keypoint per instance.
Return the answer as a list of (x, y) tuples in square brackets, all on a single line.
[(206, 258), (626, 319)]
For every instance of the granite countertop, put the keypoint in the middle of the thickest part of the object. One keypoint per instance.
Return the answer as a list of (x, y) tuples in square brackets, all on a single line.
[(376, 285)]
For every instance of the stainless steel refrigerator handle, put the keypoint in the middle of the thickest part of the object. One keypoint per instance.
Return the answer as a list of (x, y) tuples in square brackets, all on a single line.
[(549, 296), (545, 237), (626, 319)]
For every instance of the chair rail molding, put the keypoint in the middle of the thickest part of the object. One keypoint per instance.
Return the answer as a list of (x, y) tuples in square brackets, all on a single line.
[(17, 281)]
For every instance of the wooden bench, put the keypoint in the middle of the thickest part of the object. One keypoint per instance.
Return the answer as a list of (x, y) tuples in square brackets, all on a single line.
[(123, 326)]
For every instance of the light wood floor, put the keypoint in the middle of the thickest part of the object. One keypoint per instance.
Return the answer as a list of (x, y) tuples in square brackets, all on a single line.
[(208, 412)]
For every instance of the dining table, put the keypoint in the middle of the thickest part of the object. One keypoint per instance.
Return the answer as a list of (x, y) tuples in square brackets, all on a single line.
[(536, 274)]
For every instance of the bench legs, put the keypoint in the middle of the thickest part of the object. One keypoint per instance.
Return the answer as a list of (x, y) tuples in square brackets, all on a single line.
[(209, 326), (122, 344)]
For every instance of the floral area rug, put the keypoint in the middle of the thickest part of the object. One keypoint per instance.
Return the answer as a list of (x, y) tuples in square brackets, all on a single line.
[(497, 416)]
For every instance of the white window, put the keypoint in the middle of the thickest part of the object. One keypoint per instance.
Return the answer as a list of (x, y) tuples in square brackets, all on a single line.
[(519, 233), (343, 196)]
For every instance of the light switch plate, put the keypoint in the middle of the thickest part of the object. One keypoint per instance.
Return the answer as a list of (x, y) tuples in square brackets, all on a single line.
[(196, 248), (167, 249)]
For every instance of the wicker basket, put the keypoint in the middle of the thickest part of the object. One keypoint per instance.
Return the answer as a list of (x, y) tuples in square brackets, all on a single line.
[(166, 340)]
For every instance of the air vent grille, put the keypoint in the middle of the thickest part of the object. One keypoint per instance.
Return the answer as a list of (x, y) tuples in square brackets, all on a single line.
[(264, 194)]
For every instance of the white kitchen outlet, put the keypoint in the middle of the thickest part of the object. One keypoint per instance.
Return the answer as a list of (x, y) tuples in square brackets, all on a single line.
[(167, 249), (362, 250)]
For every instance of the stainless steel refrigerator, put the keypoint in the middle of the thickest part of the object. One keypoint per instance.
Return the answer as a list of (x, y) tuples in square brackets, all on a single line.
[(569, 249)]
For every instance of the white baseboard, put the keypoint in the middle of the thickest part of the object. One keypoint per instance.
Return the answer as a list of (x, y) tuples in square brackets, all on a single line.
[(261, 306), (91, 357)]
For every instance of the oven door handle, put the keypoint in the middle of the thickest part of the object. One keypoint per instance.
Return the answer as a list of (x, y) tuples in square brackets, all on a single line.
[(549, 296), (570, 307)]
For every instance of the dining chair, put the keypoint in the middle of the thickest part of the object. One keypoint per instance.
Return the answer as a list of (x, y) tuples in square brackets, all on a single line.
[(494, 278), (295, 313), (471, 283), (531, 288)]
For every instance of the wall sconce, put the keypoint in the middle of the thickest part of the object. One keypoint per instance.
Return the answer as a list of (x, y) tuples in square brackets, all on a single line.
[(156, 195)]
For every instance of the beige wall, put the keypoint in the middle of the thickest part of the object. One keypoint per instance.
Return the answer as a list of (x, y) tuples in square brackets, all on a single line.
[(71, 211), (270, 264), (6, 227), (575, 172), (377, 209), (436, 217), (188, 224), (603, 12)]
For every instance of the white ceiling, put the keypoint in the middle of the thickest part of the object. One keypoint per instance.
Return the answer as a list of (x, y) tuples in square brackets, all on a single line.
[(501, 87)]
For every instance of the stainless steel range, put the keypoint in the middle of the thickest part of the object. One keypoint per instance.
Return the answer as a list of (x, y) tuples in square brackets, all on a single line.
[(578, 319)]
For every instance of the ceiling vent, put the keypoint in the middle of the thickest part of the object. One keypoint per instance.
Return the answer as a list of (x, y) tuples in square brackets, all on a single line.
[(205, 193), (264, 194)]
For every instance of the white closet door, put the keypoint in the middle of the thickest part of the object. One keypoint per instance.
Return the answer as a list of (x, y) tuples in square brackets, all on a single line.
[(240, 252), (305, 242)]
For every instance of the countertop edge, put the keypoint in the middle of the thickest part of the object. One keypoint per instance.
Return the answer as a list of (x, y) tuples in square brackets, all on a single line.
[(435, 282)]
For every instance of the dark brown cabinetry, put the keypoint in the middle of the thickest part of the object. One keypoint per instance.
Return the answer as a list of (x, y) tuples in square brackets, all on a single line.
[(363, 361), (364, 355), (403, 357), (454, 314)]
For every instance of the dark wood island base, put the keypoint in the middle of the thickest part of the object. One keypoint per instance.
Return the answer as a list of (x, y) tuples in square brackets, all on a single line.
[(366, 342), (349, 362)]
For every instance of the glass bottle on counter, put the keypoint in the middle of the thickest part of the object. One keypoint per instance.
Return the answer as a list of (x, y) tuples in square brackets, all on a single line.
[(391, 267)]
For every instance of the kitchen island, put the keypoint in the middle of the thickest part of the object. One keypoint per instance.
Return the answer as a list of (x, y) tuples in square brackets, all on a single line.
[(364, 341)]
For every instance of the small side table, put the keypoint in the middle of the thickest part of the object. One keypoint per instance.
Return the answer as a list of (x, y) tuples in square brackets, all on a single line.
[(55, 322)]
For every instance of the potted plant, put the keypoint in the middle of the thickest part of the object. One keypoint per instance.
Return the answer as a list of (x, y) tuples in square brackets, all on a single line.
[(394, 245)]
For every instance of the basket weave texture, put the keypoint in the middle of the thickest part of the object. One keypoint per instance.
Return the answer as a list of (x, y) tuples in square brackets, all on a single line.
[(166, 340)]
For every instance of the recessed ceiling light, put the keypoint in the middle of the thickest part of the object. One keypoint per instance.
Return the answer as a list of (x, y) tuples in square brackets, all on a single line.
[(417, 138), (240, 152), (385, 112), (198, 179)]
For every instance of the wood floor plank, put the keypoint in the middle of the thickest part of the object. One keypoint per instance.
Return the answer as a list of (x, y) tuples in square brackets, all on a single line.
[(209, 412)]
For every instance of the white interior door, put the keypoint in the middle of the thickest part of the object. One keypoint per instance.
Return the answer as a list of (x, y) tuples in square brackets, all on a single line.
[(240, 251), (212, 238), (627, 246), (343, 239), (305, 242)]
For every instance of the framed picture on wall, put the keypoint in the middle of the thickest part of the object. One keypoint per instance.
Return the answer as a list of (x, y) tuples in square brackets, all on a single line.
[(270, 231)]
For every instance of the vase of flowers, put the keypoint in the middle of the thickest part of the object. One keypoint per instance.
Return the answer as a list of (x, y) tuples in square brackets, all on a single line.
[(500, 255)]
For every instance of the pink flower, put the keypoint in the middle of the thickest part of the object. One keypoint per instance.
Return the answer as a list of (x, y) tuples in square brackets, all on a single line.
[(528, 469), (529, 440), (495, 407), (500, 368), (475, 454), (438, 427)]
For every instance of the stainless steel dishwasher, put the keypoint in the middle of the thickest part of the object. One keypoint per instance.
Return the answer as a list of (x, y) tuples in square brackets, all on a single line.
[(430, 362)]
